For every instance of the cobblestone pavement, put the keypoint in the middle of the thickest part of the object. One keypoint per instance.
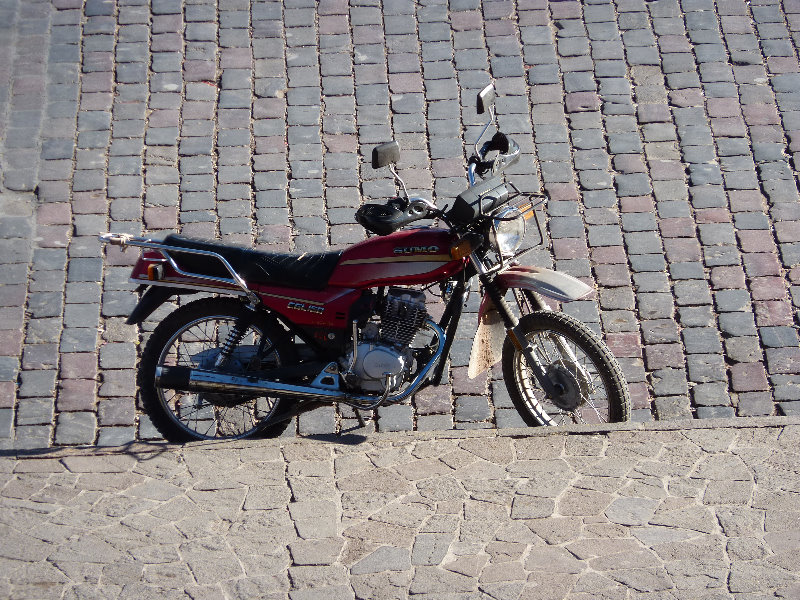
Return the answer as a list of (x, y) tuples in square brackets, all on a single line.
[(664, 132), (693, 514)]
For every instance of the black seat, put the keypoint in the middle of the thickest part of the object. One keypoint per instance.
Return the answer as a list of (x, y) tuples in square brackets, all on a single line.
[(305, 271)]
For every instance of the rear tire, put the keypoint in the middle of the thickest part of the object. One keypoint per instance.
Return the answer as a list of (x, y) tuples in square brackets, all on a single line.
[(191, 336), (574, 357)]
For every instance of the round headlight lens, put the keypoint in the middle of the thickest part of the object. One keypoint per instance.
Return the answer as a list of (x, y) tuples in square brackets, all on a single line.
[(508, 229)]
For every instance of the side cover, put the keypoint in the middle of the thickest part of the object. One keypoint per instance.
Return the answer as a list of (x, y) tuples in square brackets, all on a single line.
[(487, 348)]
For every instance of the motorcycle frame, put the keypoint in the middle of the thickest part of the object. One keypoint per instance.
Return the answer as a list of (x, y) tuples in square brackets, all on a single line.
[(449, 322)]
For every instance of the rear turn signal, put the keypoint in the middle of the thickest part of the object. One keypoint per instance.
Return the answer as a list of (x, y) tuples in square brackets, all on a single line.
[(154, 272)]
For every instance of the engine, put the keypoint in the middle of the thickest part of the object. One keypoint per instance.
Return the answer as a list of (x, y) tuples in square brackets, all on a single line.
[(384, 347)]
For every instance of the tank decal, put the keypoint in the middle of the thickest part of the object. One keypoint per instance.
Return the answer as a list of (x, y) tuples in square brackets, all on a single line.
[(410, 268), (434, 258), (408, 256)]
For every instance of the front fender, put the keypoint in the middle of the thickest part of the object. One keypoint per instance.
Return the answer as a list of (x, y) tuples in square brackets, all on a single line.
[(487, 348), (552, 284)]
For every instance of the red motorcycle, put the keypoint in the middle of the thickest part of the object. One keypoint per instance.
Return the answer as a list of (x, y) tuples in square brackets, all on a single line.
[(289, 331)]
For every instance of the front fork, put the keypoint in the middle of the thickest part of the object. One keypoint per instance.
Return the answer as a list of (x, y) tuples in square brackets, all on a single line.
[(515, 335)]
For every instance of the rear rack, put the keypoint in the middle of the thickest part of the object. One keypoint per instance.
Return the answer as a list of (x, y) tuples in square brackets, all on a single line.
[(124, 240)]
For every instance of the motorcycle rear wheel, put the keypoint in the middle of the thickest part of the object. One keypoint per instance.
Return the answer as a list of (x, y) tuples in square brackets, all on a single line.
[(191, 337), (594, 387)]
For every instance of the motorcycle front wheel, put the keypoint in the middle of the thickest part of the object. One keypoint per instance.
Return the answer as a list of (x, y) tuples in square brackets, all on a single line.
[(192, 336), (591, 384)]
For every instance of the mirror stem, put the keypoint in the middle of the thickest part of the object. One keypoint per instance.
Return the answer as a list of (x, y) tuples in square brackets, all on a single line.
[(398, 178), (485, 127)]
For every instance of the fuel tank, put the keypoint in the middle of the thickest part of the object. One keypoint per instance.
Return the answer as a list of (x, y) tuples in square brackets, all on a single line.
[(407, 257)]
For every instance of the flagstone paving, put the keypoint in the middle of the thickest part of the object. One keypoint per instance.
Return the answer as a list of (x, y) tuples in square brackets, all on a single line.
[(636, 513)]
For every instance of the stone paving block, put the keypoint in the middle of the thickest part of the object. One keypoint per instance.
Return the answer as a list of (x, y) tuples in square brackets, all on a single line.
[(115, 436), (395, 418), (687, 90), (754, 404), (35, 411), (75, 428), (715, 412), (318, 421), (37, 383), (471, 409), (435, 422)]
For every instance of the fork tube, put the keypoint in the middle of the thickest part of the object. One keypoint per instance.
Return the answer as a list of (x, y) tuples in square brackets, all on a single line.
[(512, 328)]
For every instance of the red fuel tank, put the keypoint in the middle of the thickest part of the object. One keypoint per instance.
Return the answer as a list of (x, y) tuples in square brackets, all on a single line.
[(407, 257)]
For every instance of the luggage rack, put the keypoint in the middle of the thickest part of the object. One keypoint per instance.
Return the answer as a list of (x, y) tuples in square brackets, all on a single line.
[(123, 240)]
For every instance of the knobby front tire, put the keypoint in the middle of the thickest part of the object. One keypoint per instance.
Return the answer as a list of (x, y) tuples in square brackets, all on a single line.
[(595, 390)]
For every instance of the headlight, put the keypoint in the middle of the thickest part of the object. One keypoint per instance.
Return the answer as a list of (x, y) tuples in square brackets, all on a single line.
[(508, 229)]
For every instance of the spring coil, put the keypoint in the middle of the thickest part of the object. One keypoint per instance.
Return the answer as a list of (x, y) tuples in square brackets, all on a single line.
[(232, 340)]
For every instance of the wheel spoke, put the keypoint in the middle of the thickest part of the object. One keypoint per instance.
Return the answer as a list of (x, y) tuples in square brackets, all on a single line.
[(213, 415), (590, 402), (570, 358)]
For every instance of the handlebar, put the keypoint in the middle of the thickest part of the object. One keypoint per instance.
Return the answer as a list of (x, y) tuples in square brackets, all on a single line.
[(508, 153)]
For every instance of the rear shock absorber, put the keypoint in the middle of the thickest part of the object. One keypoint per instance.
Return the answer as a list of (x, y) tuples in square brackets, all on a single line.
[(235, 335)]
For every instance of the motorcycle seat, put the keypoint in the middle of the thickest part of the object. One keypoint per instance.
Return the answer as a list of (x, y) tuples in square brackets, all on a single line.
[(310, 271)]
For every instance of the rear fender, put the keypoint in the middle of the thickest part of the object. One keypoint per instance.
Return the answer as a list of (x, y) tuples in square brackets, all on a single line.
[(154, 297), (487, 348)]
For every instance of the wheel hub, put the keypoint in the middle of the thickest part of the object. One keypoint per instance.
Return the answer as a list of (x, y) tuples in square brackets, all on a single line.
[(574, 388)]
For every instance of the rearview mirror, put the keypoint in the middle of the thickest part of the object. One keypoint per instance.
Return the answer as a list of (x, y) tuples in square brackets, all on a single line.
[(385, 154), (486, 99)]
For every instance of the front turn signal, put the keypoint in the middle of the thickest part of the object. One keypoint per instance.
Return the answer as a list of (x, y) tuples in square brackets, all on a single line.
[(465, 246)]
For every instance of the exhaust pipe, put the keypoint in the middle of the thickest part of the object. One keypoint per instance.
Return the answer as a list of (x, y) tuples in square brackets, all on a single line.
[(201, 380)]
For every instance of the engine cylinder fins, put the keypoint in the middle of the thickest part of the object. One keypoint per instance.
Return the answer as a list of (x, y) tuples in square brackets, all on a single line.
[(403, 316)]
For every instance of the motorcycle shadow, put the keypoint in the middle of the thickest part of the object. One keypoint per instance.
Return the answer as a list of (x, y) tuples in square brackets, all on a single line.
[(346, 439)]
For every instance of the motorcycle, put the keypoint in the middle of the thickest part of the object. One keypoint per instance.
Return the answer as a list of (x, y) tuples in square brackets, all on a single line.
[(286, 332)]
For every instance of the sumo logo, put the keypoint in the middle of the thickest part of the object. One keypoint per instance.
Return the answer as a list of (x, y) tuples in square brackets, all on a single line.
[(417, 250)]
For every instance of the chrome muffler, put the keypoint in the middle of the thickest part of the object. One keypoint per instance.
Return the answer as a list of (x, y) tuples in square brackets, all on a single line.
[(186, 379), (325, 387)]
